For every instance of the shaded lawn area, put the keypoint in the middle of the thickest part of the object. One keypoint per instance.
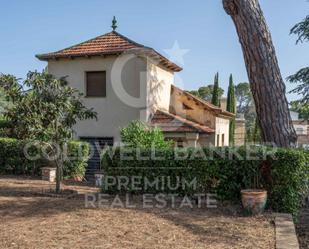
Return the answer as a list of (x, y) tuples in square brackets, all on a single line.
[(29, 221)]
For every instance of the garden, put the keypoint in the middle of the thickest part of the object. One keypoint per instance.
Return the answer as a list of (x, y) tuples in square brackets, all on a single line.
[(149, 193)]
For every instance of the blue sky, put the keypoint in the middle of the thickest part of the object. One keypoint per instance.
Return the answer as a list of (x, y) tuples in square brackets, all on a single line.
[(31, 27)]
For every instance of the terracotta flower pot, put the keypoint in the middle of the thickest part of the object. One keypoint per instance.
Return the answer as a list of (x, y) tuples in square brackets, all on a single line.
[(254, 200)]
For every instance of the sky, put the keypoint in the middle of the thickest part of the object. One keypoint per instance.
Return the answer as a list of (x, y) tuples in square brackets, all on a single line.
[(204, 32)]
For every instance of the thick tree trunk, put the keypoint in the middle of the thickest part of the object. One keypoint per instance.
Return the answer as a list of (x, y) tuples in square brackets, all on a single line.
[(266, 82)]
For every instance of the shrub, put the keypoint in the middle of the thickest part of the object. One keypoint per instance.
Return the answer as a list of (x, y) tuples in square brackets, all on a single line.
[(289, 174), (13, 160), (139, 135), (222, 171), (78, 155), (5, 127)]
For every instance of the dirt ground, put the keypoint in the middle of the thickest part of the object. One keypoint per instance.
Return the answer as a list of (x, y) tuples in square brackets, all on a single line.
[(31, 221)]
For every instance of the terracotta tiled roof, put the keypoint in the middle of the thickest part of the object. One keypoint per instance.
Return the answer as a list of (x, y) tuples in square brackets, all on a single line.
[(208, 105), (172, 123), (111, 43)]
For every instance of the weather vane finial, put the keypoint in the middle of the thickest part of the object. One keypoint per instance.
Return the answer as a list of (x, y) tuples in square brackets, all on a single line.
[(114, 24)]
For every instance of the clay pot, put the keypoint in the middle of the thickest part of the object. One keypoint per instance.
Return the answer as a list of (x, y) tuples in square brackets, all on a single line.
[(254, 200)]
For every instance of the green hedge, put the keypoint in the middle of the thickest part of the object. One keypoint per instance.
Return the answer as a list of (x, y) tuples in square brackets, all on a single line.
[(13, 160), (225, 172)]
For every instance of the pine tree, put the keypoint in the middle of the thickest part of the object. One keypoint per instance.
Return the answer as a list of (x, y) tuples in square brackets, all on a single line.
[(267, 85), (231, 107), (215, 95)]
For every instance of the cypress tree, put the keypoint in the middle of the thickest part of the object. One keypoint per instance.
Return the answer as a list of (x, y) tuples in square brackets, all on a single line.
[(231, 107), (215, 94)]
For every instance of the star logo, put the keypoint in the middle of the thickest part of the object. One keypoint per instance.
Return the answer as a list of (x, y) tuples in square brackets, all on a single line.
[(176, 54)]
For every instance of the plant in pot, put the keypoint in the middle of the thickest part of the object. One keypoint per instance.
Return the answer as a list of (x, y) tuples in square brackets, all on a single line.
[(254, 199)]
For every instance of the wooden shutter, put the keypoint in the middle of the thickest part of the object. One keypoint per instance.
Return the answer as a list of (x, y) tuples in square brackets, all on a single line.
[(96, 84)]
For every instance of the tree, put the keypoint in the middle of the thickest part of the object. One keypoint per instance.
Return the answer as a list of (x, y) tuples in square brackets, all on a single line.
[(205, 92), (231, 107), (301, 108), (139, 135), (243, 97), (3, 102), (215, 94), (46, 111), (267, 86), (302, 76)]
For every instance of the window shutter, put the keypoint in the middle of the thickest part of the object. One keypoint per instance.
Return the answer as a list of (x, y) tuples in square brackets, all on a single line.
[(96, 84)]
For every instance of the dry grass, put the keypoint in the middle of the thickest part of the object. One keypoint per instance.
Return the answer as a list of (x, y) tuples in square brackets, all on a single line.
[(29, 221)]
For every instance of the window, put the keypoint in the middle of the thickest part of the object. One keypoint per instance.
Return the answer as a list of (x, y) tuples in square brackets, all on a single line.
[(96, 84), (179, 143), (218, 140), (300, 131), (222, 140)]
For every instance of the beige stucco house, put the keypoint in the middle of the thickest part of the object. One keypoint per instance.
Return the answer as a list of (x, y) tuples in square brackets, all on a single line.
[(301, 127), (124, 81)]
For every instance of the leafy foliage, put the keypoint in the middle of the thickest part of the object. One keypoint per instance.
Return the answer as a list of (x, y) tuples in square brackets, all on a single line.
[(76, 163), (3, 102), (46, 111), (302, 76), (231, 107), (13, 160), (301, 108), (301, 30), (245, 106), (139, 135), (5, 127), (221, 171), (215, 94), (244, 97), (205, 92)]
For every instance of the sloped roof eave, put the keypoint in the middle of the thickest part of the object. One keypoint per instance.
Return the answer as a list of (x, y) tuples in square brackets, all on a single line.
[(216, 109), (111, 43), (184, 126)]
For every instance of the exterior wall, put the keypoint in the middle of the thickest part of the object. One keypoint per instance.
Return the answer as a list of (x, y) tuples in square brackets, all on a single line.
[(197, 113), (240, 132), (222, 129), (113, 112), (159, 83), (206, 140), (302, 130), (185, 139)]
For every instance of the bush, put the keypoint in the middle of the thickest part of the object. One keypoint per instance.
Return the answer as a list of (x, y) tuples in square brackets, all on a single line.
[(222, 171), (78, 155), (13, 160), (289, 174), (139, 135), (5, 127)]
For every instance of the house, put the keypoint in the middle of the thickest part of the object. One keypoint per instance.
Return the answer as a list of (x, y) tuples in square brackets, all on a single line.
[(124, 81), (301, 127)]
